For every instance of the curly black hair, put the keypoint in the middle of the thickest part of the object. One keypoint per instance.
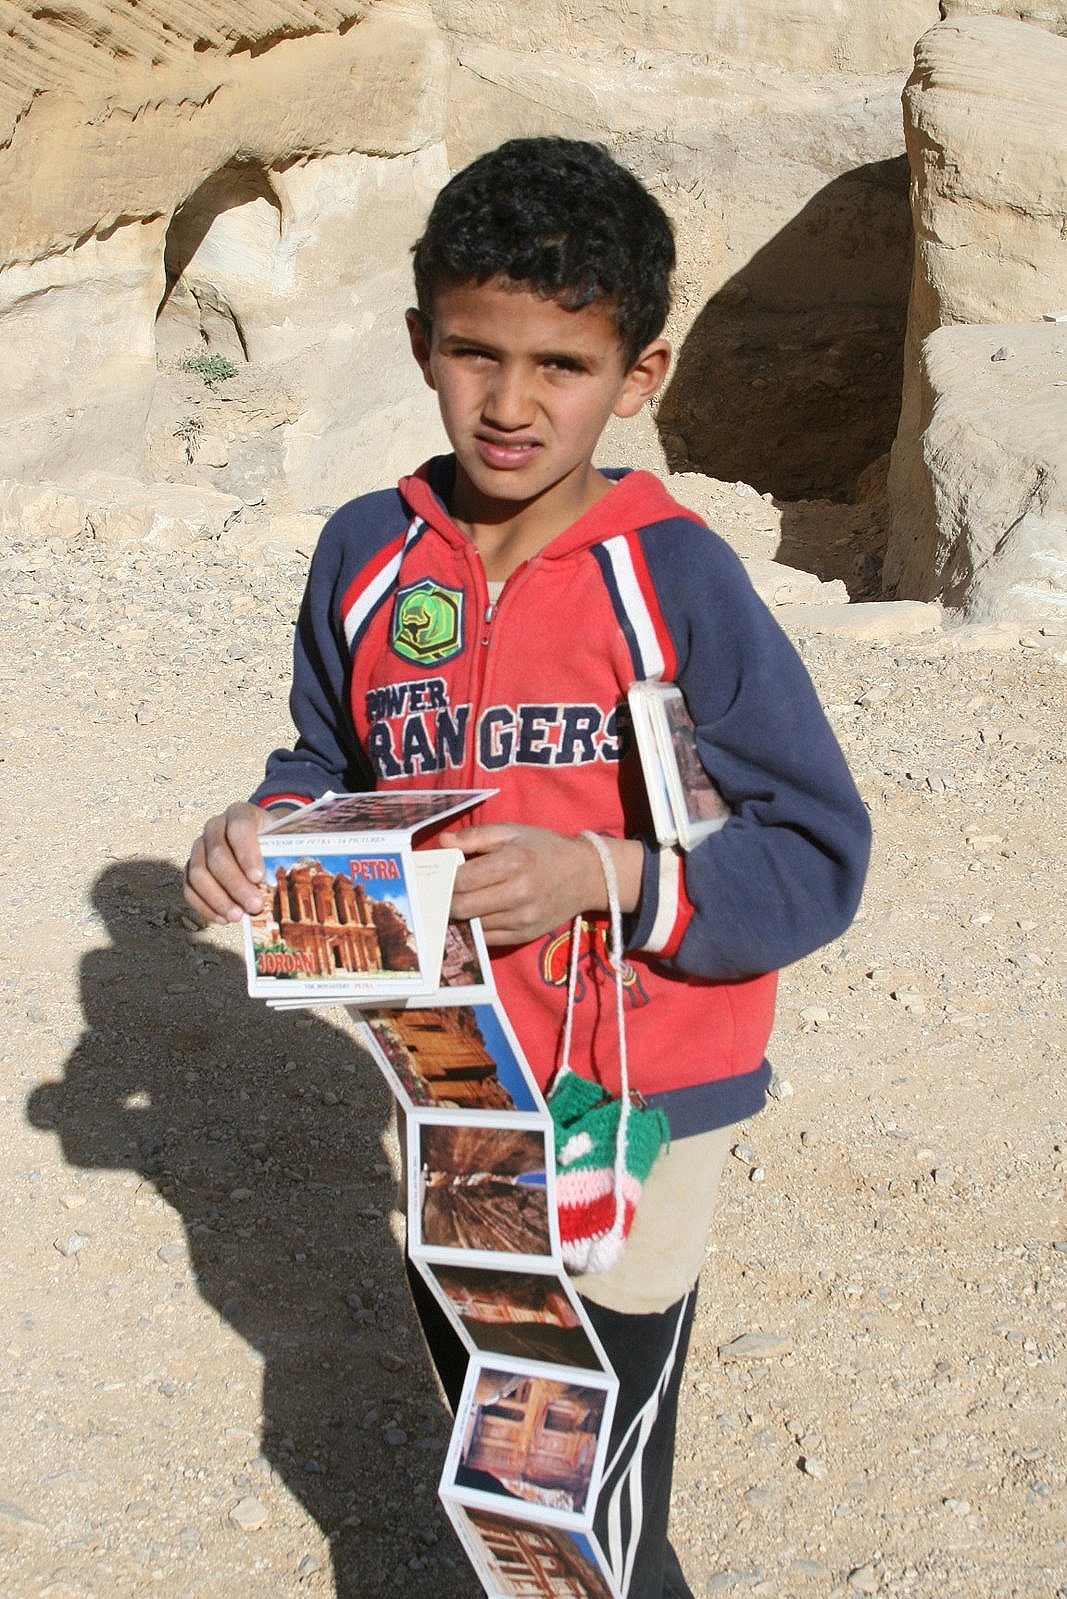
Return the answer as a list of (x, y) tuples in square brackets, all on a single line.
[(561, 217)]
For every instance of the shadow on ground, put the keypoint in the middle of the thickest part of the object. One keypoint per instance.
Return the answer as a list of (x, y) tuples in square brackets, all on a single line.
[(263, 1130), (846, 542)]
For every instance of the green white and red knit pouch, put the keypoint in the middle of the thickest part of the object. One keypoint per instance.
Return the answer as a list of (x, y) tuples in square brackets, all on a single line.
[(605, 1146)]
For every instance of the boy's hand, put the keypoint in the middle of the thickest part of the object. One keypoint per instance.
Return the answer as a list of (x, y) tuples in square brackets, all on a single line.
[(525, 881), (224, 876)]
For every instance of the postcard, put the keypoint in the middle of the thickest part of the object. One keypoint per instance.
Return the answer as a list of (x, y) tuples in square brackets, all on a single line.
[(658, 793), (519, 1315), (453, 1057), (516, 1559), (685, 804), (466, 970), (480, 1192), (349, 924), (530, 1442), (697, 803), (383, 811)]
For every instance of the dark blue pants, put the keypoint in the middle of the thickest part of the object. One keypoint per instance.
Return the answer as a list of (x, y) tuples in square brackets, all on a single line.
[(648, 1353)]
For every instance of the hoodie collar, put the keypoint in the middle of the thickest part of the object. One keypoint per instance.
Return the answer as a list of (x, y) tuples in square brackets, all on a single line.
[(635, 500)]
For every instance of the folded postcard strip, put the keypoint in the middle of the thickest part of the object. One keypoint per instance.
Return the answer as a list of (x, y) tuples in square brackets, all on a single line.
[(527, 1452), (355, 915)]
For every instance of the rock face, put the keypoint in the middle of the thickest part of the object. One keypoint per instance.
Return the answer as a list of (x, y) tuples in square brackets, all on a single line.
[(994, 455), (1051, 14), (788, 193), (118, 511), (245, 191), (271, 167), (979, 444), (817, 36), (173, 184)]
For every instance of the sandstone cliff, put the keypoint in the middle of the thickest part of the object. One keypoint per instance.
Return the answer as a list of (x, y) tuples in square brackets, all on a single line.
[(245, 189), (273, 164), (979, 475), (172, 183)]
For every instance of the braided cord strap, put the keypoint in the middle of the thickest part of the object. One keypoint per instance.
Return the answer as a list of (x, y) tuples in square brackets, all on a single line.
[(616, 1238), (605, 1147)]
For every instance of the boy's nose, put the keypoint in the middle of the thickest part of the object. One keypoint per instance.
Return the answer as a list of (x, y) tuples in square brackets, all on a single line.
[(507, 402)]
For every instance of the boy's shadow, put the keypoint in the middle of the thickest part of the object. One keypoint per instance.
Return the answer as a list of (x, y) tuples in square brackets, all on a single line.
[(263, 1130)]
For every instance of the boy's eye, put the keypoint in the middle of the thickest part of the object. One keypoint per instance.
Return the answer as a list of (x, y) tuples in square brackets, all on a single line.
[(562, 371)]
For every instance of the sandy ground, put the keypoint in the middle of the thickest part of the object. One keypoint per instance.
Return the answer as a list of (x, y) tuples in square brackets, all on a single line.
[(212, 1386)]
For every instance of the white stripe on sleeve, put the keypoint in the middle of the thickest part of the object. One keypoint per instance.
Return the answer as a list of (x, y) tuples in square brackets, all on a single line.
[(633, 601), (670, 867)]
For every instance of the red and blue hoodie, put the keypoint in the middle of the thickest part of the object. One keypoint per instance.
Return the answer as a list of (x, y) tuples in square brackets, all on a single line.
[(407, 675)]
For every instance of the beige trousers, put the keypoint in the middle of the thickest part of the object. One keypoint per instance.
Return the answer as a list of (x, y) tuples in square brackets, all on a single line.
[(665, 1251)]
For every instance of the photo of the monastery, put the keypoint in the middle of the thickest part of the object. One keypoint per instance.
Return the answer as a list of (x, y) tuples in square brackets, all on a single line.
[(517, 1313), (526, 1560), (334, 916), (534, 1437)]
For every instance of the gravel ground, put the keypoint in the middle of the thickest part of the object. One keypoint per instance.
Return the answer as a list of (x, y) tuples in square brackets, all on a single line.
[(212, 1385)]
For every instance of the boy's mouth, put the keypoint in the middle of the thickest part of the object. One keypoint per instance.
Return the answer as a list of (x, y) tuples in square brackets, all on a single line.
[(505, 454)]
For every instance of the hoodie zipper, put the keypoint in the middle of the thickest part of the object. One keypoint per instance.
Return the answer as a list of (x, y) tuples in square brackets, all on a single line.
[(480, 663), (493, 606)]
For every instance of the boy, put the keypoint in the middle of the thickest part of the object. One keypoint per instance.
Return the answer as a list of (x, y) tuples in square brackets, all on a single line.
[(480, 626)]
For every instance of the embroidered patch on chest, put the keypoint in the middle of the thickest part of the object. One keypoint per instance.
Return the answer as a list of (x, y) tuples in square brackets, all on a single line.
[(427, 623)]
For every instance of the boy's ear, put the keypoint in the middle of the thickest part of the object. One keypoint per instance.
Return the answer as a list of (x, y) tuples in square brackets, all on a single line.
[(419, 334), (645, 378)]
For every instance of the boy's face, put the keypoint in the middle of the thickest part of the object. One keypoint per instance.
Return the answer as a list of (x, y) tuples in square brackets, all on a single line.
[(525, 390)]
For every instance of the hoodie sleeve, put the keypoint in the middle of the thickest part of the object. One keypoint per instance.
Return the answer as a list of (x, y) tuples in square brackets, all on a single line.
[(327, 754), (785, 874)]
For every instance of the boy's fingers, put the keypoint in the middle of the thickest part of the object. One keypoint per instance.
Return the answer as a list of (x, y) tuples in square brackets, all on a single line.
[(243, 824), (481, 871), (211, 905), (204, 891), (224, 876), (206, 912), (528, 881), (479, 840)]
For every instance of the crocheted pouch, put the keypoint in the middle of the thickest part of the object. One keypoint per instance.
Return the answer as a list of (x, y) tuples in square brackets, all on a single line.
[(605, 1146)]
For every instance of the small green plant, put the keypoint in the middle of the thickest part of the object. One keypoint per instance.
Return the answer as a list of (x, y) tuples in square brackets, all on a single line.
[(212, 368)]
